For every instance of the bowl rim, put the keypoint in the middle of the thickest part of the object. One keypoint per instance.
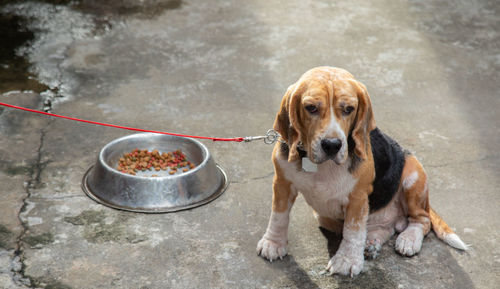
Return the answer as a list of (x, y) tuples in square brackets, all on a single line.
[(204, 149), (224, 184)]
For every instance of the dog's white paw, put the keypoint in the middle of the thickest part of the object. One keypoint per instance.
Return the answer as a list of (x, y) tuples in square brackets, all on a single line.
[(271, 250), (409, 242), (347, 261), (344, 265)]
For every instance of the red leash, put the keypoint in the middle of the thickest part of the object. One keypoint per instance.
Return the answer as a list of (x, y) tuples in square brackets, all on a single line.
[(236, 139)]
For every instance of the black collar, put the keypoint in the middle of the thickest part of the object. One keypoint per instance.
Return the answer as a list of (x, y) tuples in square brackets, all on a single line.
[(286, 150), (302, 153)]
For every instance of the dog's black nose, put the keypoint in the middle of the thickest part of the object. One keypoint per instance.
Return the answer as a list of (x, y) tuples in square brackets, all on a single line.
[(331, 146)]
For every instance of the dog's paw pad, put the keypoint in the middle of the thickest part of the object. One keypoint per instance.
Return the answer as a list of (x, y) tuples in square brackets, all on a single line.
[(271, 250), (372, 248), (409, 242)]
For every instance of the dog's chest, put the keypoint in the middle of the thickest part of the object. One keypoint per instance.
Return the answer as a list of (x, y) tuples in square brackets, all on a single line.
[(327, 190)]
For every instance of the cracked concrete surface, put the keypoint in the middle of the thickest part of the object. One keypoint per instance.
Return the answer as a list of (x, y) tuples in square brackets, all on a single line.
[(219, 69)]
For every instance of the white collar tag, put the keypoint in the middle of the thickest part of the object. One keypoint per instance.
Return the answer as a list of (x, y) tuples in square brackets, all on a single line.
[(309, 166)]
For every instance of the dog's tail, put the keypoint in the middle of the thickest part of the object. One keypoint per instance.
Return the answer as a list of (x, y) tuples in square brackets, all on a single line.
[(445, 233)]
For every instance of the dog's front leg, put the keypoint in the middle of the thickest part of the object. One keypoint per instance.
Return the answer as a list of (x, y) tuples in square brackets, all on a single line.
[(274, 242), (349, 259)]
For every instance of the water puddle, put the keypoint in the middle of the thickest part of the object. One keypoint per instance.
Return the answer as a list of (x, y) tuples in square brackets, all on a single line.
[(38, 36), (14, 68)]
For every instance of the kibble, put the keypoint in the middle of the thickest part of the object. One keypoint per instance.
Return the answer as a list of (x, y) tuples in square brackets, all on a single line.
[(144, 160)]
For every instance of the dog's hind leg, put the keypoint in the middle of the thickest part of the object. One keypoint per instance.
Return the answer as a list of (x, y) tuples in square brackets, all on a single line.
[(416, 198), (381, 226)]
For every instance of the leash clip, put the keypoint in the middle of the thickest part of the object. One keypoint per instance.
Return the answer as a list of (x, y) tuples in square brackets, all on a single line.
[(270, 137)]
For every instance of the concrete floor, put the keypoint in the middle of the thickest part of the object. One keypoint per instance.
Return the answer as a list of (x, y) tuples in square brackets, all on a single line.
[(220, 68)]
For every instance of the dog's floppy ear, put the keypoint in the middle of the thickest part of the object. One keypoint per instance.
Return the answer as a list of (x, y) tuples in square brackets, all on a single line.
[(286, 122), (364, 122)]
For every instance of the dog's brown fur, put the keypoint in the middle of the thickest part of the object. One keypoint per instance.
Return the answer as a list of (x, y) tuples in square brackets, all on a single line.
[(331, 93)]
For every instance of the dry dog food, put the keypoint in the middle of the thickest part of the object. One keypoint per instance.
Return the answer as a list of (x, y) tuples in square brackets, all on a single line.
[(144, 160)]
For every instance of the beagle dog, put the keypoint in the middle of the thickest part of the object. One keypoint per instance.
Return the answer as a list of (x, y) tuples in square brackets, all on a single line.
[(359, 181)]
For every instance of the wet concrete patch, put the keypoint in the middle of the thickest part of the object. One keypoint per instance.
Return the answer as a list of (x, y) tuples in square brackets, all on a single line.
[(17, 170), (57, 285), (86, 218), (50, 31), (143, 9), (13, 169), (5, 237), (38, 241), (55, 27), (47, 283), (101, 228)]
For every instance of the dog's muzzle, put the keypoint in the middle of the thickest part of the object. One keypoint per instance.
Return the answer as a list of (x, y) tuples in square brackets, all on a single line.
[(331, 146)]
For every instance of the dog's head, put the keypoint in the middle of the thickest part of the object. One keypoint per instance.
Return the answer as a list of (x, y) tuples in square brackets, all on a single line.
[(321, 111)]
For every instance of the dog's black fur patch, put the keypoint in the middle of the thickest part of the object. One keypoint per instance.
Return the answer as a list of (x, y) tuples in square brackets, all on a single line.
[(389, 159)]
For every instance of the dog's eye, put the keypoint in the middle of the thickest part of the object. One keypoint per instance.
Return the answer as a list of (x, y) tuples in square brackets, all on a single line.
[(312, 108), (348, 109)]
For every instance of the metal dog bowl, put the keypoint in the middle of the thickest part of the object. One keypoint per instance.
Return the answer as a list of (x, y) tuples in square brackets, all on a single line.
[(159, 194)]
